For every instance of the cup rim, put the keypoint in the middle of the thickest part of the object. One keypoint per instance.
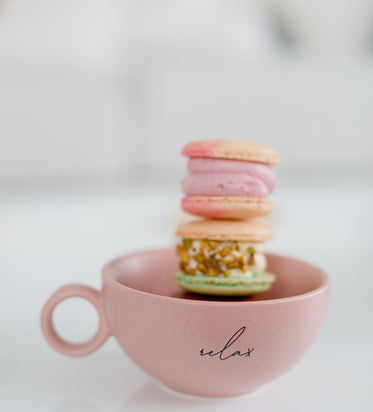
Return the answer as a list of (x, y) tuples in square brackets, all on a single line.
[(106, 277)]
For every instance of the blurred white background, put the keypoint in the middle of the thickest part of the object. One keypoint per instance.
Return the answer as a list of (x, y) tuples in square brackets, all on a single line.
[(97, 99), (103, 91)]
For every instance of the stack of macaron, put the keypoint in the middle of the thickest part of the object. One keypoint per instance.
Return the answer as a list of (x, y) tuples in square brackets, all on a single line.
[(228, 185)]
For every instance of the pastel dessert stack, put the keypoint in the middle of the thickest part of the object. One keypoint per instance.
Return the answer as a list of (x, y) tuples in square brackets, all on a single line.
[(227, 185)]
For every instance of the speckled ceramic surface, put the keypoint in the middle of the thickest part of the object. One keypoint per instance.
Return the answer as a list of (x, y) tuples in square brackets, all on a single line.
[(212, 347)]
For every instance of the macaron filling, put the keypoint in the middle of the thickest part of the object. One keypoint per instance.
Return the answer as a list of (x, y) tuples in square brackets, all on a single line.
[(261, 171), (226, 259), (227, 177)]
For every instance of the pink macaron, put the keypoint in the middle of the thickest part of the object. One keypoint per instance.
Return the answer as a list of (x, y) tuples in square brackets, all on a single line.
[(228, 179)]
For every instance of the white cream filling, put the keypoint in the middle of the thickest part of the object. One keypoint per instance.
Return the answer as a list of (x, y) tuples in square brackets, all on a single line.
[(260, 260)]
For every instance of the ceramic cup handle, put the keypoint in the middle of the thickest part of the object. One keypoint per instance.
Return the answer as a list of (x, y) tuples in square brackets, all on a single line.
[(50, 334)]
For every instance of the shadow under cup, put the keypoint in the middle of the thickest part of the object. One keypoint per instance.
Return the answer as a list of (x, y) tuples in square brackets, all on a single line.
[(200, 345)]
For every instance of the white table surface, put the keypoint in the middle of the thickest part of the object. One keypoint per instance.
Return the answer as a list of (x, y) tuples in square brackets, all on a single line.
[(50, 238)]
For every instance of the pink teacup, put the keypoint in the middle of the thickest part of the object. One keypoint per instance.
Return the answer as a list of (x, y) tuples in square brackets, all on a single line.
[(200, 346)]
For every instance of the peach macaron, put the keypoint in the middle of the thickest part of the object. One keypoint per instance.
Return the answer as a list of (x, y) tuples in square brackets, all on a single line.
[(228, 179), (223, 258)]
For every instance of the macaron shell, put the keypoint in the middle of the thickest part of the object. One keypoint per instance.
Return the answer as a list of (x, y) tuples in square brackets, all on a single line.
[(226, 207), (231, 149), (224, 230), (219, 286)]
